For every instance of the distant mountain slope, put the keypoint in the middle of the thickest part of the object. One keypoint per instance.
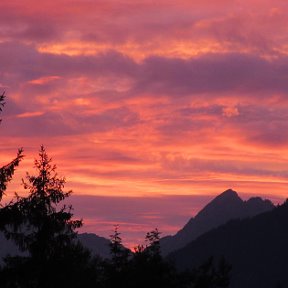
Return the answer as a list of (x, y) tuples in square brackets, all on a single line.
[(221, 209), (255, 247), (96, 244)]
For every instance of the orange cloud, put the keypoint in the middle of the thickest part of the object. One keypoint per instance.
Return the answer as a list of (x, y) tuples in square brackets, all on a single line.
[(30, 114), (43, 80)]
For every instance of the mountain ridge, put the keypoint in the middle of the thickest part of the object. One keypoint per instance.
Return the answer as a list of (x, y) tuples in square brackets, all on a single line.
[(224, 207), (97, 245), (256, 247)]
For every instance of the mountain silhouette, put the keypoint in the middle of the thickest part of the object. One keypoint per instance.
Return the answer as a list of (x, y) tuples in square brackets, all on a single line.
[(96, 244), (221, 209), (256, 248)]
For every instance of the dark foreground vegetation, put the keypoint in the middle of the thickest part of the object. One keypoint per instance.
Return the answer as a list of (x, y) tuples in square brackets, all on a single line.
[(45, 231)]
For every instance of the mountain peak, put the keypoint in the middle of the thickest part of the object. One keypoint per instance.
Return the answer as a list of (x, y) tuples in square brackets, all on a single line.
[(229, 193), (227, 197), (224, 207)]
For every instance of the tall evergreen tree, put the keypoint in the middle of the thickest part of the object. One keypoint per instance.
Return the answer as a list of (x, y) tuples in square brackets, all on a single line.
[(152, 240), (45, 230), (119, 253)]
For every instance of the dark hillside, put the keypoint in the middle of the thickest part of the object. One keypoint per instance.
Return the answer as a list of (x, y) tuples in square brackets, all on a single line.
[(256, 247), (221, 209)]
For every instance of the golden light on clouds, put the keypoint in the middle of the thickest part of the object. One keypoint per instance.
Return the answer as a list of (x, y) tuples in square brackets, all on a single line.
[(30, 114), (43, 80), (181, 49)]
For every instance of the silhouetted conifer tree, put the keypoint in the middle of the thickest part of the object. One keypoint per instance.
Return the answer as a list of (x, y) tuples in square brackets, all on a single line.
[(45, 228), (46, 232), (152, 240), (146, 267), (118, 252)]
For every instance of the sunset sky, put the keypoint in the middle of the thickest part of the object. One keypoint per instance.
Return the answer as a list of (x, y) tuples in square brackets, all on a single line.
[(149, 108)]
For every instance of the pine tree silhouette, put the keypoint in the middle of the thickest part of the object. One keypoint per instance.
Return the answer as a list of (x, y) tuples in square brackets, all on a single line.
[(45, 230)]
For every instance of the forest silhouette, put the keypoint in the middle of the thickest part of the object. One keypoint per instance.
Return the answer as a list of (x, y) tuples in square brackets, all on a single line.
[(44, 230)]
